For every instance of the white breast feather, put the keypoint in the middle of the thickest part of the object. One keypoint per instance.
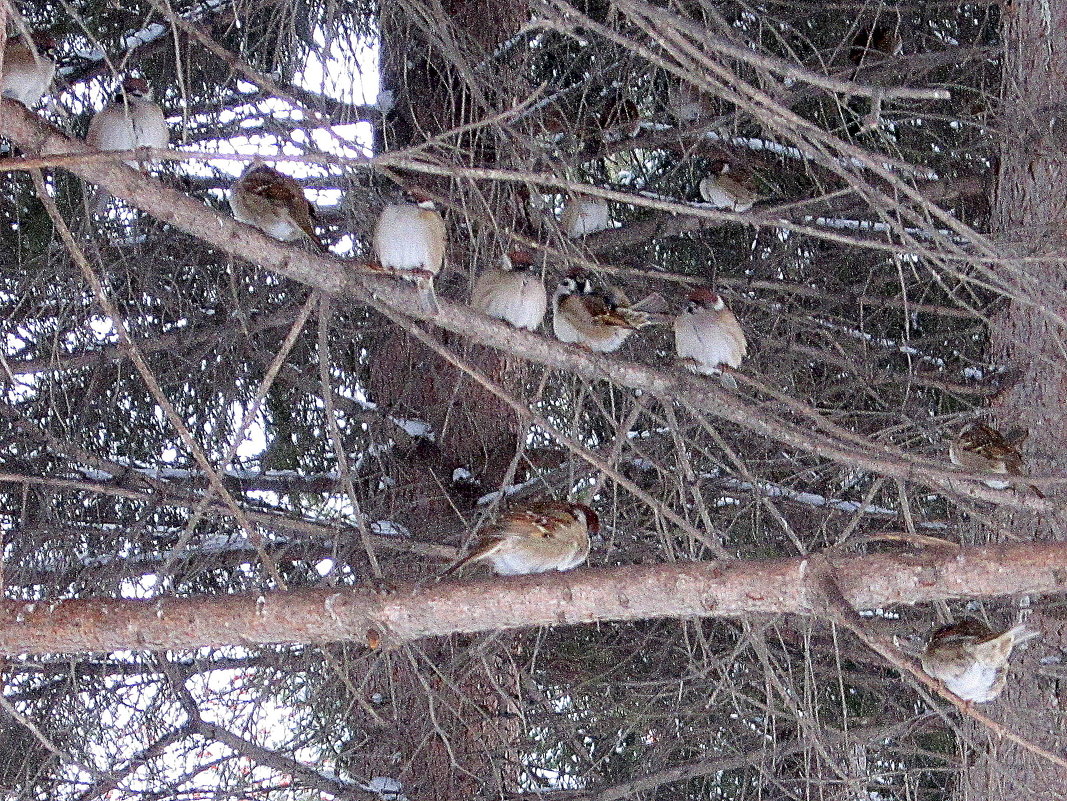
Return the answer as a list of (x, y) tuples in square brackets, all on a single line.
[(708, 345), (974, 684), (613, 342), (561, 327), (510, 561), (404, 240), (27, 84)]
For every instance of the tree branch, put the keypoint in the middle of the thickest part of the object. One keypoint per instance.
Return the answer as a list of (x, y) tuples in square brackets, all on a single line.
[(702, 589), (366, 284)]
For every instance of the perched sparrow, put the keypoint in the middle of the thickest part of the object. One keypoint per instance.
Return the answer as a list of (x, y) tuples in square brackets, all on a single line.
[(600, 320), (982, 449), (585, 215), (535, 539), (972, 659), (707, 334), (274, 203), (687, 103), (410, 237), (26, 74), (512, 292), (131, 120), (725, 191), (874, 41)]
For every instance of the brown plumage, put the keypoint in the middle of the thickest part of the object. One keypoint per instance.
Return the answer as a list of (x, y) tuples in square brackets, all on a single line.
[(598, 319), (536, 538), (971, 658), (982, 449), (727, 189), (275, 204), (28, 71)]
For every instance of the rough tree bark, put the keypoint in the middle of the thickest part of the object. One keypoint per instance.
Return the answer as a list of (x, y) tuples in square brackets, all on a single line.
[(691, 589), (1029, 215), (426, 54)]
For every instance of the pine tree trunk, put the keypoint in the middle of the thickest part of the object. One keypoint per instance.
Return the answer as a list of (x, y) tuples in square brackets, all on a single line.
[(1029, 216), (454, 729)]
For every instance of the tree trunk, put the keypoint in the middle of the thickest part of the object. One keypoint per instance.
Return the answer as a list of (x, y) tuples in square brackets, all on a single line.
[(450, 724), (1029, 208)]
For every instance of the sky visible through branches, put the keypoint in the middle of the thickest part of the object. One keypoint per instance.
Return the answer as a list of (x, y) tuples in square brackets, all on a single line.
[(194, 411)]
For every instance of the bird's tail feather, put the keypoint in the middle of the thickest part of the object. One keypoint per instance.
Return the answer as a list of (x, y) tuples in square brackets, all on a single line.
[(428, 297), (458, 565)]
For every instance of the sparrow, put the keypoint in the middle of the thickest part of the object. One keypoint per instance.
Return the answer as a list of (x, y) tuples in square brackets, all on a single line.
[(28, 74), (512, 292), (410, 237), (600, 320), (982, 449), (726, 191), (972, 659), (873, 41), (536, 538), (274, 203), (707, 335), (131, 120), (585, 215)]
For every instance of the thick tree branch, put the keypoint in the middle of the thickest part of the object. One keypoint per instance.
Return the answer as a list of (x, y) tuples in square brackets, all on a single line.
[(703, 589)]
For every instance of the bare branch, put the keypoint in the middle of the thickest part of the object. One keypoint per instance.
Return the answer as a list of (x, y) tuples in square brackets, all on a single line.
[(704, 589)]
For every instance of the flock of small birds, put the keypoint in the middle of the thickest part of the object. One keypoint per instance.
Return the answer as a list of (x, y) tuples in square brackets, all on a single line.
[(410, 240)]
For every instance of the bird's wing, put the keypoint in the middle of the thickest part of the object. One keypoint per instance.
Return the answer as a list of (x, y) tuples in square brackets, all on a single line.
[(485, 547), (439, 237), (604, 313)]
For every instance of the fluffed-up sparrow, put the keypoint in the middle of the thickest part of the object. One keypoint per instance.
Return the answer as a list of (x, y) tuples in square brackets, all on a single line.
[(982, 449), (28, 71), (707, 335), (725, 190), (583, 215), (131, 120), (410, 239), (274, 203), (972, 659), (512, 292), (536, 538)]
